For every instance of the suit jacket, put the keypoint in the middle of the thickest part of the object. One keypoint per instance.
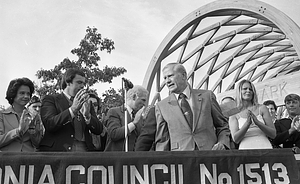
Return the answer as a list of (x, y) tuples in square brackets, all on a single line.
[(282, 134), (209, 124), (116, 130), (147, 136), (10, 140), (59, 125)]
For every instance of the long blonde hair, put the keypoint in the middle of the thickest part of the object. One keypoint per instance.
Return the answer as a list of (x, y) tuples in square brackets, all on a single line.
[(239, 101)]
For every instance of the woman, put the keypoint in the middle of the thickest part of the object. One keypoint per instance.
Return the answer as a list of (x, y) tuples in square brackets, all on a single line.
[(252, 126), (15, 120), (270, 104)]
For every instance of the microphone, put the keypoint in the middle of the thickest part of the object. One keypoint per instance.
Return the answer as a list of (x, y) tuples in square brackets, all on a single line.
[(127, 84)]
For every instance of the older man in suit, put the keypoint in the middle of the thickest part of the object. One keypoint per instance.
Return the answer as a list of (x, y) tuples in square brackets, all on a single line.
[(188, 119), (136, 99), (68, 117)]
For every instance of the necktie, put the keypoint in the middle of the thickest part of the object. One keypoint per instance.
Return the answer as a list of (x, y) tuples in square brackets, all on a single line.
[(77, 124), (186, 109), (133, 115)]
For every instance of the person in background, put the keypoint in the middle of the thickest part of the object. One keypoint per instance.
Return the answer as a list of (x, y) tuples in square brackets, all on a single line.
[(34, 107), (99, 141), (188, 119), (228, 107), (270, 104), (252, 126), (145, 141), (288, 129), (136, 98), (68, 117), (16, 119)]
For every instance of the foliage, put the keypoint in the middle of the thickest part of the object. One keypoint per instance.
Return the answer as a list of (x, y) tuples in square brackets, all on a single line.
[(111, 98), (88, 59)]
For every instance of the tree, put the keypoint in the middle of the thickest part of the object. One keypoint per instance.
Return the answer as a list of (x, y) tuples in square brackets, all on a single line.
[(88, 59), (111, 98)]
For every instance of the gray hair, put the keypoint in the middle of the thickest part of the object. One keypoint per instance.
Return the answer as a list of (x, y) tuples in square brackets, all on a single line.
[(138, 90)]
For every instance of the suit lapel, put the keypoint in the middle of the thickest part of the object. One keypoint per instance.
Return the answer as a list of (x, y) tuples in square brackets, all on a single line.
[(175, 109), (196, 106)]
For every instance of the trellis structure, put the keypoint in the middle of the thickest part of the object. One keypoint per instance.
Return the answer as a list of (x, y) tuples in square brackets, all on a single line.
[(226, 41)]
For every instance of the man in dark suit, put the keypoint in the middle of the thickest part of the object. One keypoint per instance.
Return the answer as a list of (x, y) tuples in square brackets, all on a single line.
[(136, 99), (147, 136), (188, 119), (288, 129), (68, 117)]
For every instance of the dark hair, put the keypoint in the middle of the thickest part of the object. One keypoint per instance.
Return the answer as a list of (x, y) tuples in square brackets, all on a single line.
[(270, 102), (291, 97), (92, 95), (14, 86), (69, 76), (34, 99)]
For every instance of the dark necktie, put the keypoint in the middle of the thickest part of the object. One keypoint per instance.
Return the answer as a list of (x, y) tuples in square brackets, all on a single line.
[(133, 115), (77, 124), (186, 109)]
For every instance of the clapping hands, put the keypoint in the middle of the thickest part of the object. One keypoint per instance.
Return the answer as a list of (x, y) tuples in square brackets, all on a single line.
[(24, 122)]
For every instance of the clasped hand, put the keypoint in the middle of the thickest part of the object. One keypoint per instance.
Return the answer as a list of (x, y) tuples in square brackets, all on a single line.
[(24, 121), (296, 123), (80, 98)]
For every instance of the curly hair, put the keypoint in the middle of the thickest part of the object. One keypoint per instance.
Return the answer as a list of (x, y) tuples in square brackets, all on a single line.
[(14, 86)]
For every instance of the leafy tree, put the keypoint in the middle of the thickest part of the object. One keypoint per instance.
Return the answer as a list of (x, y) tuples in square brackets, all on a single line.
[(111, 98), (88, 59)]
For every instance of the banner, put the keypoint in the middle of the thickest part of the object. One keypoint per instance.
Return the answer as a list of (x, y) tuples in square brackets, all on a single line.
[(194, 167)]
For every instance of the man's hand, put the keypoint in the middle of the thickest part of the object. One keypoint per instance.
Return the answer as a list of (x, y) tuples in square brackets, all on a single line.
[(80, 98), (138, 115), (218, 146), (86, 110)]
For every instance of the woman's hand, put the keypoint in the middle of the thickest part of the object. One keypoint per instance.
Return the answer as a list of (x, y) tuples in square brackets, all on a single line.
[(253, 117), (24, 122)]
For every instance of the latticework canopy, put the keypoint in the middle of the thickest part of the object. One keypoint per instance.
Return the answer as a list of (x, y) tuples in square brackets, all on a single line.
[(226, 41)]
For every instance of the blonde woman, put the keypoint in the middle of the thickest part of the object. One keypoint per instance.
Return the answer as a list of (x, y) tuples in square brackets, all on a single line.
[(252, 126)]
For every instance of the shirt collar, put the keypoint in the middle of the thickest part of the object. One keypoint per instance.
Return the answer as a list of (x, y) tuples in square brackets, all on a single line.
[(186, 91), (67, 95), (129, 110)]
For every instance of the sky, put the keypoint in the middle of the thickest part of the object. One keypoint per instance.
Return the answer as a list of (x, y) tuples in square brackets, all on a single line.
[(39, 34)]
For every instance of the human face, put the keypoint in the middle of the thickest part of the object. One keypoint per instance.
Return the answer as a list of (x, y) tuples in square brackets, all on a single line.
[(77, 84), (35, 107), (23, 96), (271, 110), (94, 103), (293, 107), (139, 102), (175, 81), (247, 91)]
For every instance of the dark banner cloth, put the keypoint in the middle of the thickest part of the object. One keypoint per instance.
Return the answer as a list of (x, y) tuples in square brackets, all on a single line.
[(218, 167)]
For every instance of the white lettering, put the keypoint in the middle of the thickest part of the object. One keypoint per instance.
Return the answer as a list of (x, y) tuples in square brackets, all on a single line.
[(155, 167), (91, 169), (71, 168), (10, 175), (204, 172), (135, 174), (47, 173)]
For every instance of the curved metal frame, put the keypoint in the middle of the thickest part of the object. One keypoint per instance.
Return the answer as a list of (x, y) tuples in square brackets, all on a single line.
[(277, 35)]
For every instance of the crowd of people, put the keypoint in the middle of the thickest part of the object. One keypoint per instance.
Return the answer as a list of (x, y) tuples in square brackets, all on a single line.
[(187, 120)]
